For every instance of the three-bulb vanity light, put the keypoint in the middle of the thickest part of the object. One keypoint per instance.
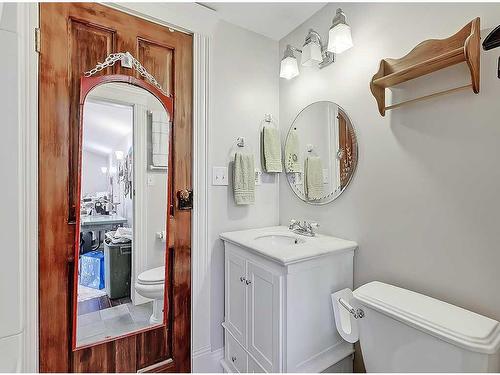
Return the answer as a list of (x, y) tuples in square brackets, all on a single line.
[(314, 53)]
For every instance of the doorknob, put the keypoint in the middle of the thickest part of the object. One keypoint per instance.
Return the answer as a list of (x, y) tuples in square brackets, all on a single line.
[(185, 199)]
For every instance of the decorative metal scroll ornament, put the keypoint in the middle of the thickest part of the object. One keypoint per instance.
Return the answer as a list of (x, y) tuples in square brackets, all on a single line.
[(127, 61)]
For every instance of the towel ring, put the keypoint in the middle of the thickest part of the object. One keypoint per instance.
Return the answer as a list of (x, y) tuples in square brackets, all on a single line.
[(268, 121), (241, 144)]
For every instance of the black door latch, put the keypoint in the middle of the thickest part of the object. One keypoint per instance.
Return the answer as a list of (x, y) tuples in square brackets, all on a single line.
[(185, 199)]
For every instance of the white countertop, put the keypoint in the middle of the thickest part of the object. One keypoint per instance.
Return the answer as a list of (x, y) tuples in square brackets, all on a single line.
[(102, 219), (312, 247)]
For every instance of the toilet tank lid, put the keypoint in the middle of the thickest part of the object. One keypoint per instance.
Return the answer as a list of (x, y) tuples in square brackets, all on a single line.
[(450, 323), (154, 275)]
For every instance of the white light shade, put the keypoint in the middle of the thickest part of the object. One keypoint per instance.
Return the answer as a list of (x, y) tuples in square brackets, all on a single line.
[(339, 38), (119, 155), (311, 54), (289, 68), (104, 170)]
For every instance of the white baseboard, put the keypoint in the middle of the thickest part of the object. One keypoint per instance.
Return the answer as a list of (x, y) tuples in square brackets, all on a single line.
[(326, 358), (208, 361)]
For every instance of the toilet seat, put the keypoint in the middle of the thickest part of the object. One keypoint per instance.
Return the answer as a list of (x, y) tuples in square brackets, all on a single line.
[(153, 276)]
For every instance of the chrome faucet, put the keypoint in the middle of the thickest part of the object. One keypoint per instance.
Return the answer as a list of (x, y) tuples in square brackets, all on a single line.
[(304, 227)]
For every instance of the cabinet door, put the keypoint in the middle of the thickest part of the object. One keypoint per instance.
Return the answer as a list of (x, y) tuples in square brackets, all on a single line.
[(263, 316), (236, 355), (254, 367), (236, 296)]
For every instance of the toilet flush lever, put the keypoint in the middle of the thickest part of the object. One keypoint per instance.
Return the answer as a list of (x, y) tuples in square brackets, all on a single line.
[(356, 313)]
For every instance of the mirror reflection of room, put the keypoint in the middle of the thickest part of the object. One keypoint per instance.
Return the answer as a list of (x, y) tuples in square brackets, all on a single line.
[(320, 153), (121, 268)]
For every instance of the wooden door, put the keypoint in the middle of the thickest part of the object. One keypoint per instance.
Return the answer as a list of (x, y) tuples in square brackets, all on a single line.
[(236, 296), (263, 316), (346, 145), (74, 37)]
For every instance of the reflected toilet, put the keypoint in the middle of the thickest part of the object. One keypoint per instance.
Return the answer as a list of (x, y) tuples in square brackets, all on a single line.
[(151, 284)]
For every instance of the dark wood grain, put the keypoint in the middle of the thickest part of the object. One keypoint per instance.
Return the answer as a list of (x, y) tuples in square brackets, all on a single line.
[(87, 43), (347, 143), (74, 37)]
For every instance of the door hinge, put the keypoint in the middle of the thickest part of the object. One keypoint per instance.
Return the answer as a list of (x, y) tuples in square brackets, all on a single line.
[(37, 40)]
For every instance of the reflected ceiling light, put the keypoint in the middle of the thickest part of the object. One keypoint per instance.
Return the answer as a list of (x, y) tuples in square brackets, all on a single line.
[(289, 67), (311, 51), (339, 37), (119, 155), (112, 170), (104, 170)]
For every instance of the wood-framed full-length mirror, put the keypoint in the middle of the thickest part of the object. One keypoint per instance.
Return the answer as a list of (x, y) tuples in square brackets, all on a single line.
[(121, 279)]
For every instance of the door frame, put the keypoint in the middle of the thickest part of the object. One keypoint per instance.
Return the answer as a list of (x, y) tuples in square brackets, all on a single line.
[(28, 21)]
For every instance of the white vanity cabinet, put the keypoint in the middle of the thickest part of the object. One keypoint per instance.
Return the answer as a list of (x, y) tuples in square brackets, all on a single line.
[(278, 314)]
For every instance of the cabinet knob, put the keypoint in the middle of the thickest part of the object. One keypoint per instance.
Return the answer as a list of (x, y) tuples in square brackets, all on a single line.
[(248, 282), (242, 279), (233, 359)]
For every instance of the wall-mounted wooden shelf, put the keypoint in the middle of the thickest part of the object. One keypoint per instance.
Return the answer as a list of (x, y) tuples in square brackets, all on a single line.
[(427, 57)]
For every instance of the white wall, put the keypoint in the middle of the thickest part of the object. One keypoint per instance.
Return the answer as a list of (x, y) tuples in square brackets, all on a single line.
[(93, 180), (244, 88), (11, 294), (424, 204)]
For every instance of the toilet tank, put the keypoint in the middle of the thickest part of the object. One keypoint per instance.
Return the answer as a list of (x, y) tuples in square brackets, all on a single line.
[(404, 331)]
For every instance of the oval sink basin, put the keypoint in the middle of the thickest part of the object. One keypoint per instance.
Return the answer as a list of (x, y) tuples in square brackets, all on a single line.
[(279, 240)]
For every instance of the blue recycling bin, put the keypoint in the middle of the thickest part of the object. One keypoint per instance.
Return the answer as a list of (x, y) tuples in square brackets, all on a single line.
[(92, 270)]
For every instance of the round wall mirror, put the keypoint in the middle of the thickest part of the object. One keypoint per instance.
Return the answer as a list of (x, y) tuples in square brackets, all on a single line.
[(321, 153)]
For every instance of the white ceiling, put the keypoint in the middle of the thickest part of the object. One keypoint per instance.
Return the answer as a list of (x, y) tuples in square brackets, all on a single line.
[(105, 125), (274, 20)]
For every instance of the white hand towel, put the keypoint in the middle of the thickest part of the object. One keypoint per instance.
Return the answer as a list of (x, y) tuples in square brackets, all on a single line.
[(160, 140), (272, 149), (243, 179), (313, 178), (160, 116), (292, 163)]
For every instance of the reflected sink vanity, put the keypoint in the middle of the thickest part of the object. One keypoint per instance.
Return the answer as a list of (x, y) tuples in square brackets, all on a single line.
[(278, 314)]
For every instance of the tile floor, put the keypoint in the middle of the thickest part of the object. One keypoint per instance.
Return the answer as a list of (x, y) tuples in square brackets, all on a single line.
[(112, 322)]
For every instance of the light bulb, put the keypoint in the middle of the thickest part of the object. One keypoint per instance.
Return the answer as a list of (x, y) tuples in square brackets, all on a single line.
[(288, 66), (339, 37), (311, 54), (311, 50)]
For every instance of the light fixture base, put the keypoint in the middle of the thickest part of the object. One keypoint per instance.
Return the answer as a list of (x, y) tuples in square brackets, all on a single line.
[(328, 58)]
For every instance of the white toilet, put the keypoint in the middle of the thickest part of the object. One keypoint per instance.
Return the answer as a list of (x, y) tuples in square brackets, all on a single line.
[(403, 331), (151, 284)]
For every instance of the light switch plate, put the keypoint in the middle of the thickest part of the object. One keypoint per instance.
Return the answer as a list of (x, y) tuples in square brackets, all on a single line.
[(258, 177), (219, 176), (151, 180)]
